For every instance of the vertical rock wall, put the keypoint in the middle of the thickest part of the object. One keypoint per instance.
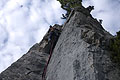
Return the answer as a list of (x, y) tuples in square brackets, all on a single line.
[(82, 51)]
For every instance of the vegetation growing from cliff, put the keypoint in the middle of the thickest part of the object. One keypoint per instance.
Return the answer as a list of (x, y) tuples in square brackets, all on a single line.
[(69, 4), (115, 47)]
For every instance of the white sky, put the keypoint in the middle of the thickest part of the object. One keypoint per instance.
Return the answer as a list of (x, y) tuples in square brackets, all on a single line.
[(21, 27)]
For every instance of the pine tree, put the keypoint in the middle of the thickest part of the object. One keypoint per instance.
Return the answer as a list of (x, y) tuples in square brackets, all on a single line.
[(68, 5)]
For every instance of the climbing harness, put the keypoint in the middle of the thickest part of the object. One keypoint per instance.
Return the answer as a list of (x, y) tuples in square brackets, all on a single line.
[(45, 69)]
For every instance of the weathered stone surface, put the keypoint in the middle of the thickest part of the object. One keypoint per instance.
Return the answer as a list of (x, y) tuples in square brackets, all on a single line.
[(82, 52), (28, 67)]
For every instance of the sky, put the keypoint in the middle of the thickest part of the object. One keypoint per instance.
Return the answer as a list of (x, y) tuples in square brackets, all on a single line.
[(24, 23)]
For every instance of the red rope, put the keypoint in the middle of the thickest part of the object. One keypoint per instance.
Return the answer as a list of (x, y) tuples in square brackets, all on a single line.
[(45, 69)]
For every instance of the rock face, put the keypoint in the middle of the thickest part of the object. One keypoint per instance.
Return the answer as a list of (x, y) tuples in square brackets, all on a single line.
[(26, 68), (81, 53)]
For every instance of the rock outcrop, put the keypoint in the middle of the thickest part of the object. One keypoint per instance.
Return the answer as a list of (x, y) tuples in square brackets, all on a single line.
[(31, 65), (81, 53)]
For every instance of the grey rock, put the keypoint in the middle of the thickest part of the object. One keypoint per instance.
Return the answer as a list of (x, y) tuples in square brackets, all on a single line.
[(81, 53), (32, 64)]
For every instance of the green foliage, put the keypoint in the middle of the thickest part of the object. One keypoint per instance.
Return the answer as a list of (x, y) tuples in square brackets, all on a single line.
[(115, 47), (69, 4)]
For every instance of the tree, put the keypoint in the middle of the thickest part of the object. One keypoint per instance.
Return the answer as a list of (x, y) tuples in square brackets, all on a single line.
[(68, 5), (115, 47)]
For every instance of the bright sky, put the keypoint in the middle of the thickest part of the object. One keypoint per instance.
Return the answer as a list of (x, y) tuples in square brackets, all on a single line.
[(24, 22)]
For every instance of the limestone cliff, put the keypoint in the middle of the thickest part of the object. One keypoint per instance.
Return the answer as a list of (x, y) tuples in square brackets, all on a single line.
[(81, 53)]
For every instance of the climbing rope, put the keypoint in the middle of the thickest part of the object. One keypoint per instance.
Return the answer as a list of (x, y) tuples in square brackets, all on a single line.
[(45, 69)]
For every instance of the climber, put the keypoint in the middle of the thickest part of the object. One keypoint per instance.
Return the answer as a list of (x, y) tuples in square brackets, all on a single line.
[(53, 36), (53, 33), (52, 39)]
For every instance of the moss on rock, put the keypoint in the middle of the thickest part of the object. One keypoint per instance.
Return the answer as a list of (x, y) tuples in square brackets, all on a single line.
[(115, 48)]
